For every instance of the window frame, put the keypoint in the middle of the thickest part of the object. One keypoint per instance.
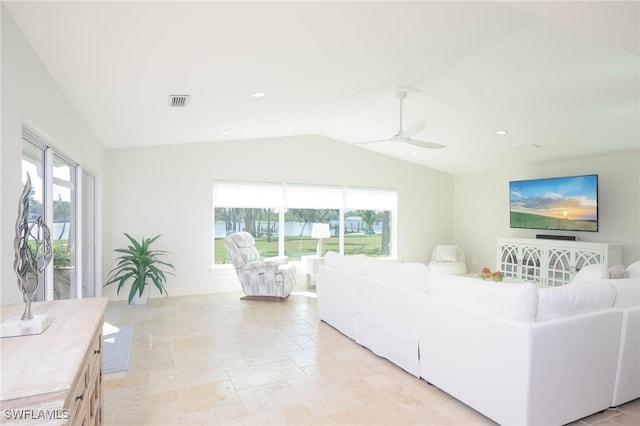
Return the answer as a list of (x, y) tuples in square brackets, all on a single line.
[(284, 196)]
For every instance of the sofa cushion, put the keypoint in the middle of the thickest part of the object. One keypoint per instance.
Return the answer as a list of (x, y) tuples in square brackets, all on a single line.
[(627, 292), (574, 298), (412, 275), (355, 264), (591, 273), (515, 301)]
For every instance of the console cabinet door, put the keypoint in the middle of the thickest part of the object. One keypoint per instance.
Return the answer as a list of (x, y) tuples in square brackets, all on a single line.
[(560, 268), (531, 263), (520, 261)]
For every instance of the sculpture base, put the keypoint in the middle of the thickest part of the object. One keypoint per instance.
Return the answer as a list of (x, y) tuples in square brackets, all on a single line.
[(14, 326)]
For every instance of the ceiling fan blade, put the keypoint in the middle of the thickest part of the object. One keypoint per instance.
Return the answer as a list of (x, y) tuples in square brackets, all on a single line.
[(424, 144), (366, 142), (405, 135), (414, 129)]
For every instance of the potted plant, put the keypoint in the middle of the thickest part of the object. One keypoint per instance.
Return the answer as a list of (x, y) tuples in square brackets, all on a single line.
[(139, 264)]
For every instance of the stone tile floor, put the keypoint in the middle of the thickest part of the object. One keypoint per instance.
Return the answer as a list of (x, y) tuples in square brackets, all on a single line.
[(216, 360)]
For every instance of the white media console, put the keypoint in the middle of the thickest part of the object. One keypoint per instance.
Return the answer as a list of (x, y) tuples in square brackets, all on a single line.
[(551, 262)]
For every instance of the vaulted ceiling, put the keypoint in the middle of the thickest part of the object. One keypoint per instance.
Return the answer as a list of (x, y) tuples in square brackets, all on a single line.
[(561, 78)]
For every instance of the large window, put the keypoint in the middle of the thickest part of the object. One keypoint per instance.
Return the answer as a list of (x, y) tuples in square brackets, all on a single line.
[(281, 218), (64, 196)]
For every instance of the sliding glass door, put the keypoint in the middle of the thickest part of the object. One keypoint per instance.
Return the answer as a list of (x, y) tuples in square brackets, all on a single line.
[(64, 195)]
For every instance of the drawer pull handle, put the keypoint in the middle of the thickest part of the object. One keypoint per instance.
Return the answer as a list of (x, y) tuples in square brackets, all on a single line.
[(81, 397)]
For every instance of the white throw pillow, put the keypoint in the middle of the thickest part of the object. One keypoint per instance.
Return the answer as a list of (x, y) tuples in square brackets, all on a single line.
[(446, 253), (593, 272), (633, 270)]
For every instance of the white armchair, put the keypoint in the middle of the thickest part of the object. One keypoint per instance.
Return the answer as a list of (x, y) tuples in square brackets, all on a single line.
[(259, 277), (448, 259)]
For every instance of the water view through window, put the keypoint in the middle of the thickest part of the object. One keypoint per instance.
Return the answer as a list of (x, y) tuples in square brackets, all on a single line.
[(288, 231)]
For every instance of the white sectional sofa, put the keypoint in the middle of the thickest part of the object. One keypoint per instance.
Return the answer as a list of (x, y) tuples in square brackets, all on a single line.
[(519, 354)]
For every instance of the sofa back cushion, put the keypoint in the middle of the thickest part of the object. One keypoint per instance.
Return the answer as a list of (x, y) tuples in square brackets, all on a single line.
[(574, 298), (507, 300), (355, 264), (627, 292), (411, 275)]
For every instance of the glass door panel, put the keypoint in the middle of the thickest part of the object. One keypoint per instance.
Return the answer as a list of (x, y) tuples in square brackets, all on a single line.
[(531, 268), (63, 232), (559, 271), (33, 165)]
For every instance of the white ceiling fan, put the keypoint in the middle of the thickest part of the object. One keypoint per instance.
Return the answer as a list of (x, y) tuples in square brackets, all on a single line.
[(405, 135)]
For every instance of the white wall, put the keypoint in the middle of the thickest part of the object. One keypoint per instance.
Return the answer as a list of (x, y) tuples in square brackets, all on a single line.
[(29, 95), (481, 205), (168, 190)]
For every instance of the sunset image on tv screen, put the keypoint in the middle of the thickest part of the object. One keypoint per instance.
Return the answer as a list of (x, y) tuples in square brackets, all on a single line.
[(567, 203)]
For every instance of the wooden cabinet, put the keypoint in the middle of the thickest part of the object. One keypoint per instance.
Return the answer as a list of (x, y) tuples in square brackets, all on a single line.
[(55, 377), (552, 262)]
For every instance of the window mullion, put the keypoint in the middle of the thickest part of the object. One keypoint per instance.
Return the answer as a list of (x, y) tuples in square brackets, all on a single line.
[(48, 216), (282, 210), (79, 236)]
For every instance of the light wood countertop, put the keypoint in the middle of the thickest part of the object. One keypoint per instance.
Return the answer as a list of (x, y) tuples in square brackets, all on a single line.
[(48, 362)]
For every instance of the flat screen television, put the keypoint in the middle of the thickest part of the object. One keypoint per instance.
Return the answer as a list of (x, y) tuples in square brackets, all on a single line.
[(564, 203)]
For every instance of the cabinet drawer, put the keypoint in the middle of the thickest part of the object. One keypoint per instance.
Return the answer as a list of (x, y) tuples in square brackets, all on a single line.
[(76, 400), (83, 402), (95, 354)]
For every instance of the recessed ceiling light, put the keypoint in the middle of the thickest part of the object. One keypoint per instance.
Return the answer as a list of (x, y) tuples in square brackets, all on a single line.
[(501, 132), (225, 133), (259, 95)]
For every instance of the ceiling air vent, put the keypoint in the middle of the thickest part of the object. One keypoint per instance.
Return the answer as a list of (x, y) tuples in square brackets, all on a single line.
[(178, 101)]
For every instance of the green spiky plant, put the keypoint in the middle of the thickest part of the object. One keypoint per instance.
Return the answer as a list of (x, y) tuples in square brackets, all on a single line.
[(139, 263)]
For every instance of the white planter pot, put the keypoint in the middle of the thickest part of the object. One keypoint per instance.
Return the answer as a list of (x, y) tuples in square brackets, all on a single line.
[(140, 300)]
